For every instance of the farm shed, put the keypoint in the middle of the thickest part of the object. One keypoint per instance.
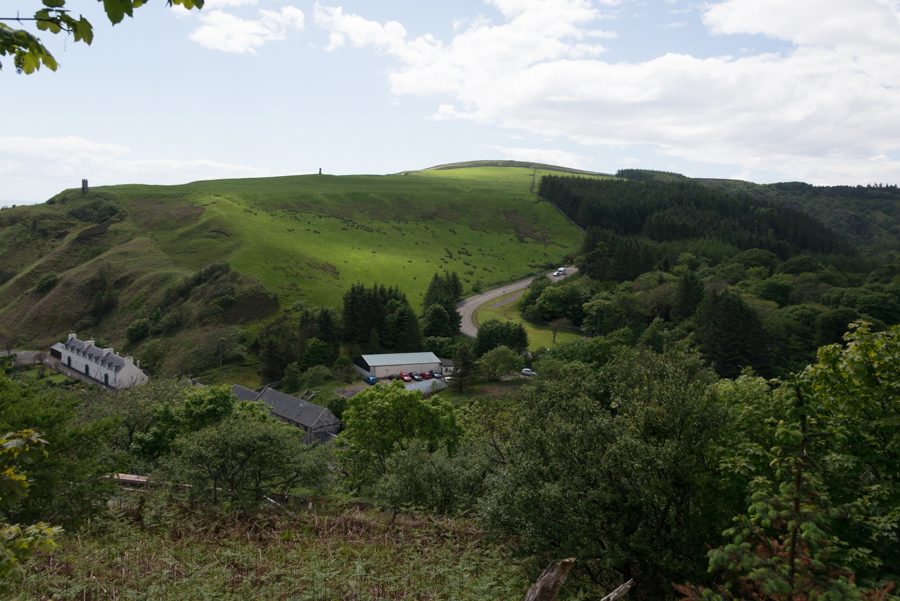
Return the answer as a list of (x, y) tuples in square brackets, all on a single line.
[(381, 366), (319, 423)]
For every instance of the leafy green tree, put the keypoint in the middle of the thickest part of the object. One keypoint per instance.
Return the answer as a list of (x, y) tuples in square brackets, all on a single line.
[(152, 356), (499, 362), (293, 378), (69, 484), (493, 333), (611, 467), (777, 289), (785, 546), (245, 458), (138, 330), (29, 53), (856, 389), (317, 374), (442, 347), (17, 544), (382, 420), (559, 324), (318, 352), (200, 408), (443, 482)]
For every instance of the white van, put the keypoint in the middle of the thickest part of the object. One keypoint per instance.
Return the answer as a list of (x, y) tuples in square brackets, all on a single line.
[(560, 271)]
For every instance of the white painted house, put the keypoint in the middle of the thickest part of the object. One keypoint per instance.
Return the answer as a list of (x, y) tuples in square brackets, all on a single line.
[(102, 365)]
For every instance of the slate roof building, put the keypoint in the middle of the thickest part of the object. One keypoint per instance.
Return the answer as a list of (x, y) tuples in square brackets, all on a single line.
[(318, 422), (381, 366), (102, 365)]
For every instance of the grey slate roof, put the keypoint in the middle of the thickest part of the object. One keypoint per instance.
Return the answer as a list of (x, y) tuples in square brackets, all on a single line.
[(400, 359), (94, 353), (285, 406)]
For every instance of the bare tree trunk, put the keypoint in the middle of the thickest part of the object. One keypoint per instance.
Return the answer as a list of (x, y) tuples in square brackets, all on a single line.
[(551, 581), (619, 592)]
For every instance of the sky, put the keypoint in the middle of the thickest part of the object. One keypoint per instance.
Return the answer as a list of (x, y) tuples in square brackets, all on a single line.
[(760, 90)]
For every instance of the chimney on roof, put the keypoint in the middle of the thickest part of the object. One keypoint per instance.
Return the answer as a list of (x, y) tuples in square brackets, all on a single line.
[(71, 336), (129, 360), (109, 350), (88, 342), (138, 363)]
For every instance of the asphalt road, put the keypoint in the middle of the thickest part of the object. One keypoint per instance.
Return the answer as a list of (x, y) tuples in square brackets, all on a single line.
[(467, 306)]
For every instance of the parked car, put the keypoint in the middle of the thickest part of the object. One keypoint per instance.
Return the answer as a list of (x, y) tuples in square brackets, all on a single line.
[(427, 375), (528, 372), (405, 376), (393, 377), (416, 376), (436, 374), (560, 271), (370, 380)]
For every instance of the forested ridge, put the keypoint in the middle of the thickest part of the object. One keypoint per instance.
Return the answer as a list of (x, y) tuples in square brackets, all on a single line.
[(868, 216), (663, 211)]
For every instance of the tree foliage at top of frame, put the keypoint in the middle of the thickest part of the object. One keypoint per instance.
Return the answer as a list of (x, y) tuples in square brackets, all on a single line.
[(29, 53)]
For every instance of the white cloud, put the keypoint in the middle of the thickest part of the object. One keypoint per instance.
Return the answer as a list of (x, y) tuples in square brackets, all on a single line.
[(821, 111), (549, 156), (41, 167), (226, 32), (675, 25)]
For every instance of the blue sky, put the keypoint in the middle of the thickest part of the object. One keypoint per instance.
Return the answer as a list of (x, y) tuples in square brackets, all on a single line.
[(763, 90)]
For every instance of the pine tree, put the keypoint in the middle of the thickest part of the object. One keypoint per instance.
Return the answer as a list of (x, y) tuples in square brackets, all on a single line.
[(465, 372), (730, 334)]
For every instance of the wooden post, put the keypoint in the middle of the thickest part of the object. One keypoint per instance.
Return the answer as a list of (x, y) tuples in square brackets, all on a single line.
[(551, 581)]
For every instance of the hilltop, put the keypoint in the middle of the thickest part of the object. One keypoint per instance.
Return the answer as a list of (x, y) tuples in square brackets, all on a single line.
[(118, 253)]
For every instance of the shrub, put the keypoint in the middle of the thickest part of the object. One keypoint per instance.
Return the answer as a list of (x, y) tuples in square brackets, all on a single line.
[(152, 356), (47, 283), (138, 330), (317, 374)]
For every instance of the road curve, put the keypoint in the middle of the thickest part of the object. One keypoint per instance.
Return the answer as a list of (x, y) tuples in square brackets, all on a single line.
[(467, 307)]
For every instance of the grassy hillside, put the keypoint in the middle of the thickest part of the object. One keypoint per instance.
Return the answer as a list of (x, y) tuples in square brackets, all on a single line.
[(121, 252)]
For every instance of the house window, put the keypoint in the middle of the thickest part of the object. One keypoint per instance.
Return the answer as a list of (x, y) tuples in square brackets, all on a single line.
[(106, 379), (87, 370), (69, 359)]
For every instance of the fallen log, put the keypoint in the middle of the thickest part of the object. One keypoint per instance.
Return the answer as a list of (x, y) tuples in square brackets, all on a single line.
[(551, 581)]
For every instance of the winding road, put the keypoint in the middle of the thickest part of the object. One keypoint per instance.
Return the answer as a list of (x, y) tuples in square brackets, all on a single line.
[(467, 307)]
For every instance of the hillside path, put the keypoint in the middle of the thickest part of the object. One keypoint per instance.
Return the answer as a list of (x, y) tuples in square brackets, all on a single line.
[(467, 307)]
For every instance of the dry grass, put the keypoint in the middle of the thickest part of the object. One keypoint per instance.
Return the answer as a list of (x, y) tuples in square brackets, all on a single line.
[(153, 553)]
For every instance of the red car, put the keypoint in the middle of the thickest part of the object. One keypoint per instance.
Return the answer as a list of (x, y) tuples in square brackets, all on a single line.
[(426, 375), (405, 376)]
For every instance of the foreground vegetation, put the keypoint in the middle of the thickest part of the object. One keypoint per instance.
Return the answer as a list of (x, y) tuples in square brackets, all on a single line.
[(154, 550), (643, 465)]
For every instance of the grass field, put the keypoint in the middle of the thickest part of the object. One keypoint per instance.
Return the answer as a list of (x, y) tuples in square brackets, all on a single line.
[(310, 237), (538, 336)]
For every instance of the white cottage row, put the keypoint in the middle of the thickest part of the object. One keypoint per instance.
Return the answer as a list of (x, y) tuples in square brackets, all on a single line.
[(103, 365)]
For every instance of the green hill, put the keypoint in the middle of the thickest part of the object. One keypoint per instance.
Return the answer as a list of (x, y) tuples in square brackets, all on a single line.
[(122, 252)]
